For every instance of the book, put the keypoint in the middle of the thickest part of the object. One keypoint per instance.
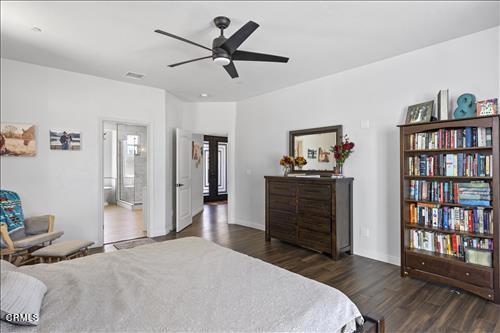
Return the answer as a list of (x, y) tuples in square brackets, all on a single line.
[(451, 165), (450, 244), (466, 137), (478, 219)]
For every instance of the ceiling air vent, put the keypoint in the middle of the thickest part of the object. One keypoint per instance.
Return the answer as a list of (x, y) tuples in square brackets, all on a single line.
[(136, 76)]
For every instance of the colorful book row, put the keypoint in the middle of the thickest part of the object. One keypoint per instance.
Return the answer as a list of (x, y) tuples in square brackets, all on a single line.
[(450, 244), (467, 137), (451, 165), (472, 193), (479, 220)]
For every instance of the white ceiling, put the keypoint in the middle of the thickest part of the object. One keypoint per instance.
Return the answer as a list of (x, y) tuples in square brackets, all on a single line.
[(108, 39)]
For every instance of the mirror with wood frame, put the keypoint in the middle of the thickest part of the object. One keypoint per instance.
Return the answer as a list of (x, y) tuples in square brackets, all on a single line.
[(315, 145)]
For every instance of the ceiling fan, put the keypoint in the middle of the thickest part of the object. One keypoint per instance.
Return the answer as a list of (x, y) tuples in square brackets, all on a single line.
[(225, 50)]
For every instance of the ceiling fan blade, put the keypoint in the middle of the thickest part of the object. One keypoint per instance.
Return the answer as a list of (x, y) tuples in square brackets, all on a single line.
[(231, 70), (233, 42), (181, 39), (188, 61), (254, 56)]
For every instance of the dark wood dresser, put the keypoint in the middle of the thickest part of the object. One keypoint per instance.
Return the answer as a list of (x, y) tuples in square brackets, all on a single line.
[(315, 213)]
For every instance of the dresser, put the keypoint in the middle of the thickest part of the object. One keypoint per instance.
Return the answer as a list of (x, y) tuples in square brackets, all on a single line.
[(315, 213)]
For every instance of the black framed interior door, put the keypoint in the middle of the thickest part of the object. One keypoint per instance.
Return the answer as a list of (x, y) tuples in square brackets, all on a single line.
[(215, 168)]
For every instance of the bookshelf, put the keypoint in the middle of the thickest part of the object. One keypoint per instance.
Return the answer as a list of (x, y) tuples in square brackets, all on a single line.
[(450, 194)]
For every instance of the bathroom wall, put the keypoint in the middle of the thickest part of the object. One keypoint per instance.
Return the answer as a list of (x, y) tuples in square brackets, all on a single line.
[(132, 166)]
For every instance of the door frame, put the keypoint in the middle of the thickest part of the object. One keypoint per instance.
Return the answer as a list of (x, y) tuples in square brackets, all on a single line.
[(218, 197), (147, 207)]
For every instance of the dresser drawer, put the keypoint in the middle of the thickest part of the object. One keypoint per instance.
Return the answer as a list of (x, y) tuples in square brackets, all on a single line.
[(314, 207), (315, 240), (315, 223), (469, 273), (282, 188), (315, 191), (283, 226), (281, 202)]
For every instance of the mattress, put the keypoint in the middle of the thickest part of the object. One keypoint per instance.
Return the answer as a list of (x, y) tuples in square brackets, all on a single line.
[(188, 285)]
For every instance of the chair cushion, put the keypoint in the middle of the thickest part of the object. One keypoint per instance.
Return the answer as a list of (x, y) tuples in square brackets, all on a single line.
[(11, 212), (62, 249), (21, 294), (17, 234), (37, 239), (36, 225)]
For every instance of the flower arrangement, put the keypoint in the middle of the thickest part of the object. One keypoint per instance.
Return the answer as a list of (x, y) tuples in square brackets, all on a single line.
[(300, 162), (286, 162), (341, 152)]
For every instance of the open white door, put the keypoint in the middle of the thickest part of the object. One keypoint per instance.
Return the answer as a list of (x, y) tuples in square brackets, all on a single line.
[(183, 212)]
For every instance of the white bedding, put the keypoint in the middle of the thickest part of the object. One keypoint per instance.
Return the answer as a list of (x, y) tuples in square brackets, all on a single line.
[(188, 284)]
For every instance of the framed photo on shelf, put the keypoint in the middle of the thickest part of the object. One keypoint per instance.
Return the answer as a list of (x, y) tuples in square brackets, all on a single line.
[(487, 107), (420, 113)]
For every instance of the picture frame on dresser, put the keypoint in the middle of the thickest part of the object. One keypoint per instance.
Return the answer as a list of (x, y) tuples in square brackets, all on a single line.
[(450, 193)]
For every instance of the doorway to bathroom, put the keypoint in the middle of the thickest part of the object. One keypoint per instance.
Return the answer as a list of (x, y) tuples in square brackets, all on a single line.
[(124, 181)]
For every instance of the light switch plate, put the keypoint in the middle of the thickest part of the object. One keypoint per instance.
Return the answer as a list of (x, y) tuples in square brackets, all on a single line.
[(365, 124)]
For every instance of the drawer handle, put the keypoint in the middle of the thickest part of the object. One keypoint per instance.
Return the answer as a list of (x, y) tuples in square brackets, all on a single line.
[(467, 273), (423, 263)]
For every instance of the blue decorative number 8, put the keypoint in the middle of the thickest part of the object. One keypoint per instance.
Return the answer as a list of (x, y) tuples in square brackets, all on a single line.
[(466, 106)]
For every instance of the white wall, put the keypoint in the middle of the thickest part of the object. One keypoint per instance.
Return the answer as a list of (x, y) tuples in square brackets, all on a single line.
[(197, 179), (380, 93), (216, 119), (66, 183)]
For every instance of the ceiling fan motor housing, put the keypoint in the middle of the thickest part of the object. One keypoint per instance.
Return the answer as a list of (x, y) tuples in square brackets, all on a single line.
[(219, 52)]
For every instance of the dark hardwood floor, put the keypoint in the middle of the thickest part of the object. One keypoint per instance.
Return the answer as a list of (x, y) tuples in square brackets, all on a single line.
[(408, 305)]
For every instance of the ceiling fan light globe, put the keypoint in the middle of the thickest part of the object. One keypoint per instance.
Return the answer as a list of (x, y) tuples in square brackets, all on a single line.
[(222, 61)]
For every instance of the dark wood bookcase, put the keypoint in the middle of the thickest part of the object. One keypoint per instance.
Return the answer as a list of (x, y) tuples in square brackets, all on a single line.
[(442, 268)]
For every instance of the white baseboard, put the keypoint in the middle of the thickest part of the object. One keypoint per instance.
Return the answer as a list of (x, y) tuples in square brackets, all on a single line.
[(250, 224), (379, 256), (196, 211)]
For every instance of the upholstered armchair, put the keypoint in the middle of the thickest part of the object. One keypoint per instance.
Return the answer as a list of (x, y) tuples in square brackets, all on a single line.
[(20, 236)]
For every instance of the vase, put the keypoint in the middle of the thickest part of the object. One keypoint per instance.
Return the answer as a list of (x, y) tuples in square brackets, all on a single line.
[(337, 171), (286, 171), (299, 167)]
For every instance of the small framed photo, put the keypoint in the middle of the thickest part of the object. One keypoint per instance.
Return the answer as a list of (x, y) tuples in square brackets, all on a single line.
[(65, 140), (487, 107), (420, 113)]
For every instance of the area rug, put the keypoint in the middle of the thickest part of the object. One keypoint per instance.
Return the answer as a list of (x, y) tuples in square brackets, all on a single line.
[(133, 243)]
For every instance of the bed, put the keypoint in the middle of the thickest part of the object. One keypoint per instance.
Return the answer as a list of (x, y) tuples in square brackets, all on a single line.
[(187, 285)]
